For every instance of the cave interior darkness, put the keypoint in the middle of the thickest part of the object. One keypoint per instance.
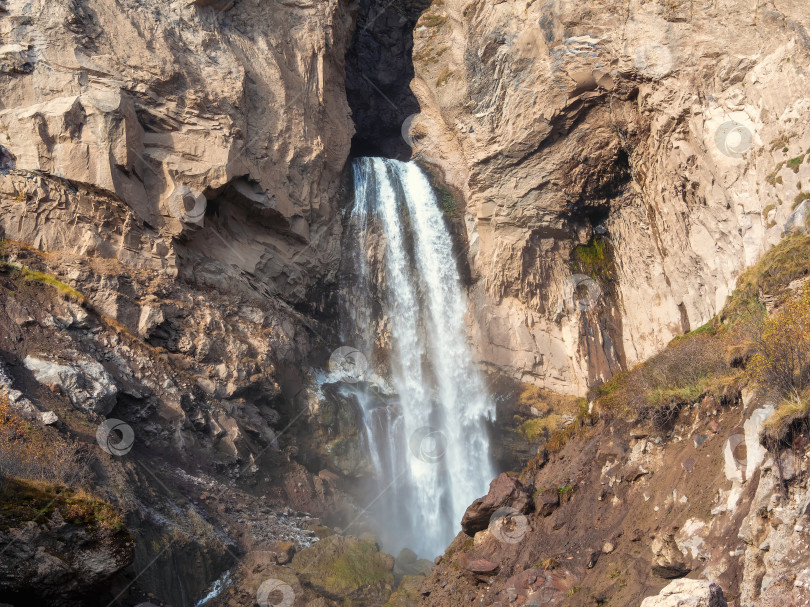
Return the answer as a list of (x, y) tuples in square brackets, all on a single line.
[(379, 70)]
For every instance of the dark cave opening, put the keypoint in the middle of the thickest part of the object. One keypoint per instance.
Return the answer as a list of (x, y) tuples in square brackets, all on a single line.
[(379, 70)]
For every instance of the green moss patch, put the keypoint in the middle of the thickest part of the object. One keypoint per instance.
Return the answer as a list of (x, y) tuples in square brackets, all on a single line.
[(594, 259), (344, 566), (22, 501)]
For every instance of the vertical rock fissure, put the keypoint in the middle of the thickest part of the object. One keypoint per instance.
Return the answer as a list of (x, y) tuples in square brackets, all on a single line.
[(379, 70)]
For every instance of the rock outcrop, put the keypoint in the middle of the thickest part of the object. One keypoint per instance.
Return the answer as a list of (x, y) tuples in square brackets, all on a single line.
[(688, 593), (504, 493), (67, 555), (674, 132), (85, 382)]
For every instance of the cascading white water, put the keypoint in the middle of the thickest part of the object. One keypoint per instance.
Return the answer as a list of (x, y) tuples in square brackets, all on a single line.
[(432, 455)]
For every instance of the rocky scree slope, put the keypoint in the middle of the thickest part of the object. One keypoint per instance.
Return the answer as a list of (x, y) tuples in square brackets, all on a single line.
[(207, 474), (686, 483)]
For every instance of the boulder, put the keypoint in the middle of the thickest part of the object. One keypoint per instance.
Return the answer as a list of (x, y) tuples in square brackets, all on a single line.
[(504, 491), (86, 382), (546, 501), (48, 418), (688, 593), (669, 562)]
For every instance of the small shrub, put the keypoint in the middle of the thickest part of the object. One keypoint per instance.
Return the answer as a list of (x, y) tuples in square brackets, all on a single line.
[(549, 564), (782, 358), (32, 453)]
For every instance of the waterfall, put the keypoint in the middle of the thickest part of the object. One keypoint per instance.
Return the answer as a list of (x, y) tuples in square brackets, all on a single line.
[(431, 453)]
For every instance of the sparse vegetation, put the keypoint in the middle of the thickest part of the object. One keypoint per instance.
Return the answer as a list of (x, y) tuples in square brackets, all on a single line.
[(690, 367), (30, 452), (792, 414), (577, 428), (594, 259), (444, 77), (795, 163), (769, 277), (800, 198), (28, 500), (550, 409), (432, 20)]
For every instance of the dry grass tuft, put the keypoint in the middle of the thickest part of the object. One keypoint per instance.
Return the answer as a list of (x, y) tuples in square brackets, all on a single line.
[(30, 452)]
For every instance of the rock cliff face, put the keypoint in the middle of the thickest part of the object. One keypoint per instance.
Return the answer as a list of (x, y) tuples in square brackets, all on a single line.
[(214, 132), (676, 132)]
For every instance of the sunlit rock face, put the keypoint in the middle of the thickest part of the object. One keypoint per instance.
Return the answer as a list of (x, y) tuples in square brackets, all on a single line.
[(224, 125), (672, 131)]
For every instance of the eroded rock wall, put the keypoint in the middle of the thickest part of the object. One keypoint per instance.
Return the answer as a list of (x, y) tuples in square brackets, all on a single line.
[(221, 129), (676, 130)]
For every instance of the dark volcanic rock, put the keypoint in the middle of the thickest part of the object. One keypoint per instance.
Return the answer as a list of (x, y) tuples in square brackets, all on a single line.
[(60, 563), (504, 491), (546, 501)]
